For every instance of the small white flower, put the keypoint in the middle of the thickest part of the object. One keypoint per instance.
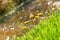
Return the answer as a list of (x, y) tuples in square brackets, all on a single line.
[(7, 38), (49, 2), (53, 8), (12, 28)]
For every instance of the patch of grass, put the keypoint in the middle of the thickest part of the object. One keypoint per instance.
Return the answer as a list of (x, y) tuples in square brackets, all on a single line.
[(48, 29)]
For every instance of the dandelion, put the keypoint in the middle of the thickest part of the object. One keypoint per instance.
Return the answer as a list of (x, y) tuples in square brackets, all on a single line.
[(26, 22), (23, 27), (40, 14), (37, 17), (31, 16)]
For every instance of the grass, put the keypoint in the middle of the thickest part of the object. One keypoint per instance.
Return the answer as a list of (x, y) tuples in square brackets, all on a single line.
[(48, 29)]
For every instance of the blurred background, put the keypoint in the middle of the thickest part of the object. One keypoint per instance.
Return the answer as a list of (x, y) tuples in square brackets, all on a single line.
[(18, 16)]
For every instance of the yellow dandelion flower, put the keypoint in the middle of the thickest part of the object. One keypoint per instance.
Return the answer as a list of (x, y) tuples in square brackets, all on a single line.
[(40, 14), (37, 17), (31, 16), (23, 27), (26, 22)]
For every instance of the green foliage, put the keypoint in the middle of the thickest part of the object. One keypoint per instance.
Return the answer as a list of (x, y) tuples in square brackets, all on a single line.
[(48, 29)]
